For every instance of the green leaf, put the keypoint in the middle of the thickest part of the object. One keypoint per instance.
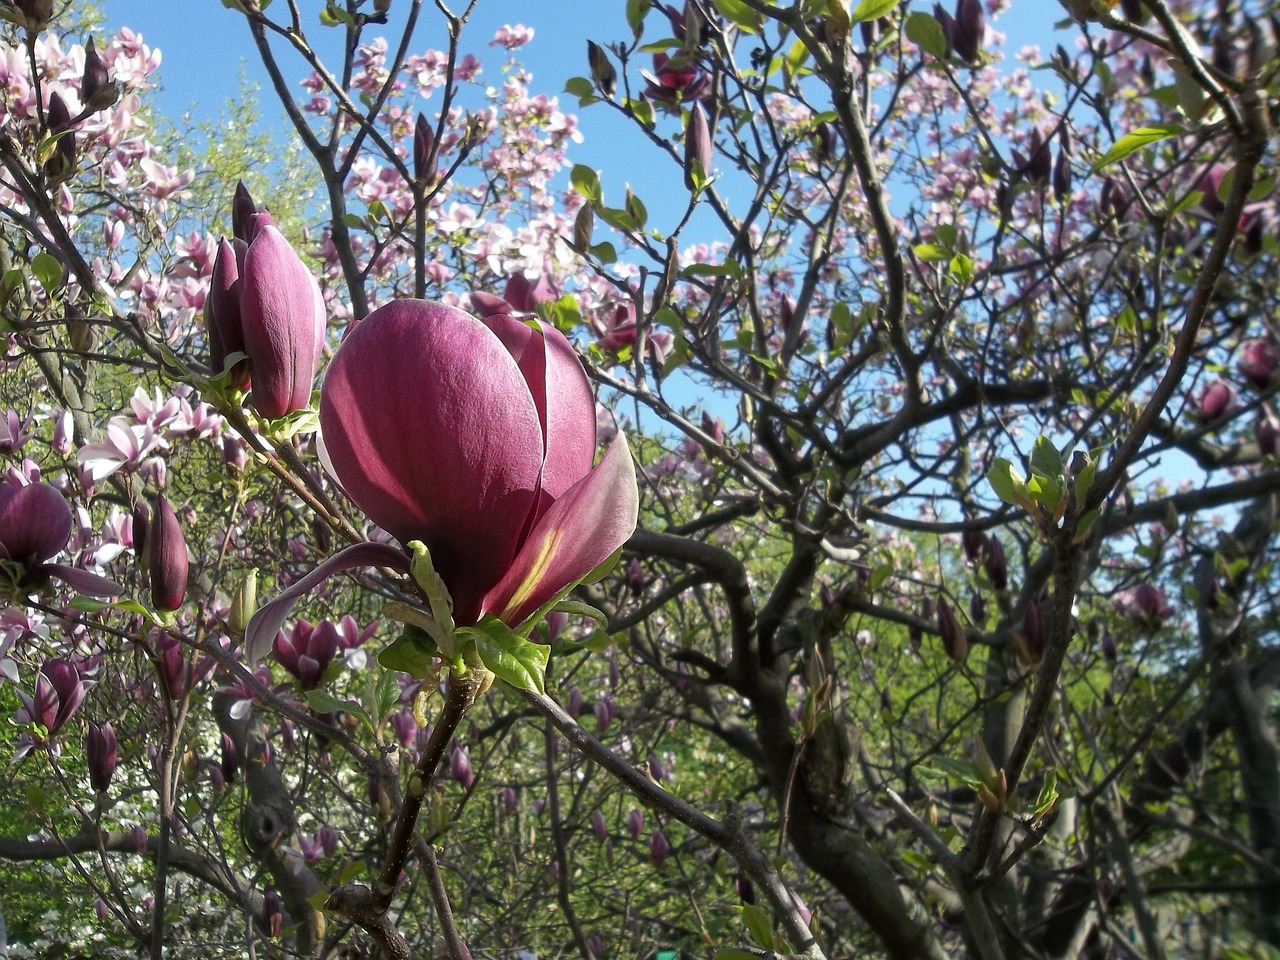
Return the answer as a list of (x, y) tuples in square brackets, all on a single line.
[(1046, 460), (520, 662), (48, 270), (942, 768), (1085, 524), (1005, 481), (872, 10), (323, 702), (587, 182), (386, 694), (410, 653), (961, 269), (618, 219), (636, 10), (605, 252), (1135, 140), (740, 13), (579, 609), (759, 924), (579, 87), (931, 252), (735, 953), (424, 574), (927, 34)]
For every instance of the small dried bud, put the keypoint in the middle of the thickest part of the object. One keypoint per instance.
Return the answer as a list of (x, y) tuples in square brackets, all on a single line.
[(602, 71), (97, 89), (424, 141), (954, 640)]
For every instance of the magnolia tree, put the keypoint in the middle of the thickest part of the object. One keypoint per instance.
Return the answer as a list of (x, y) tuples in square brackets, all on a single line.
[(867, 551)]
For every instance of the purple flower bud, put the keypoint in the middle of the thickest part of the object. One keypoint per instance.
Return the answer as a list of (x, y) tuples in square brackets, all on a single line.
[(64, 429), (97, 89), (405, 727), (697, 147), (101, 908), (948, 24), (35, 523), (824, 142), (1143, 604), (746, 892), (595, 946), (166, 557), (230, 762), (100, 746), (223, 323), (243, 210), (272, 913), (954, 640), (35, 14), (1062, 172), (172, 667), (424, 141), (635, 823), (525, 296), (59, 691), (574, 706), (139, 524), (1109, 646), (599, 828), (967, 30), (283, 317), (656, 771), (995, 564), (307, 651), (978, 610), (1030, 639), (139, 838), (974, 543), (602, 71), (1266, 431), (1039, 163), (604, 714), (509, 800), (61, 164), (1258, 363), (460, 766), (658, 848), (327, 840), (1216, 401)]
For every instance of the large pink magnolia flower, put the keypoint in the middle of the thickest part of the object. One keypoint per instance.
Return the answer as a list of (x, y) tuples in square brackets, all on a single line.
[(476, 438)]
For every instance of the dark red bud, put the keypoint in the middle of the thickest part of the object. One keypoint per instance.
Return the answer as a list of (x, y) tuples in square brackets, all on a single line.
[(61, 164), (242, 211), (602, 70), (424, 141), (697, 146), (101, 749), (954, 640), (995, 564), (968, 29), (167, 556), (97, 89)]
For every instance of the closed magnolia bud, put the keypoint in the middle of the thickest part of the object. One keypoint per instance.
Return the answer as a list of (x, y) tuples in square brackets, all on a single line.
[(948, 25), (583, 226), (978, 610), (460, 766), (97, 89), (101, 751), (1062, 175), (140, 526), (63, 433), (222, 317), (229, 763), (635, 823), (1133, 11), (235, 455), (746, 892), (61, 164), (995, 564), (509, 800), (272, 914), (167, 558), (968, 29), (1266, 431), (244, 602), (1258, 362), (697, 147), (954, 640), (602, 71), (242, 212), (424, 141), (139, 836), (658, 848), (599, 829), (974, 543), (1030, 640)]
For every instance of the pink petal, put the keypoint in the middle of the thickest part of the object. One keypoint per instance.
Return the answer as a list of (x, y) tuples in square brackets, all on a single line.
[(261, 632), (430, 429), (552, 369), (580, 531)]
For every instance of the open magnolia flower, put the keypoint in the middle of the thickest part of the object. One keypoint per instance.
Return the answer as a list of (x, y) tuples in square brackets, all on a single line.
[(477, 439), (35, 524)]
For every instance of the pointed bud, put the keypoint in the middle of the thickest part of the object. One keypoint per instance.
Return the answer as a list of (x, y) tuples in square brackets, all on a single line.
[(229, 763), (635, 823), (658, 848), (244, 603), (697, 147), (167, 558), (602, 71), (978, 610), (460, 767), (242, 212), (101, 749), (1030, 640), (35, 14), (1266, 431), (272, 914), (223, 323), (599, 829), (61, 164), (948, 26), (140, 521), (97, 89), (954, 640), (283, 317), (1062, 169), (968, 30), (995, 564), (424, 141), (746, 892), (583, 226)]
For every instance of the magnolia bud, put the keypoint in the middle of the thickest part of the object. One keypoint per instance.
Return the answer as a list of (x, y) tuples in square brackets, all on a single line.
[(967, 30), (140, 521), (244, 602), (101, 750), (61, 164), (599, 828), (424, 141), (167, 558), (583, 227), (97, 89), (242, 213), (954, 640), (697, 147), (635, 823), (658, 848), (272, 915), (995, 564)]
